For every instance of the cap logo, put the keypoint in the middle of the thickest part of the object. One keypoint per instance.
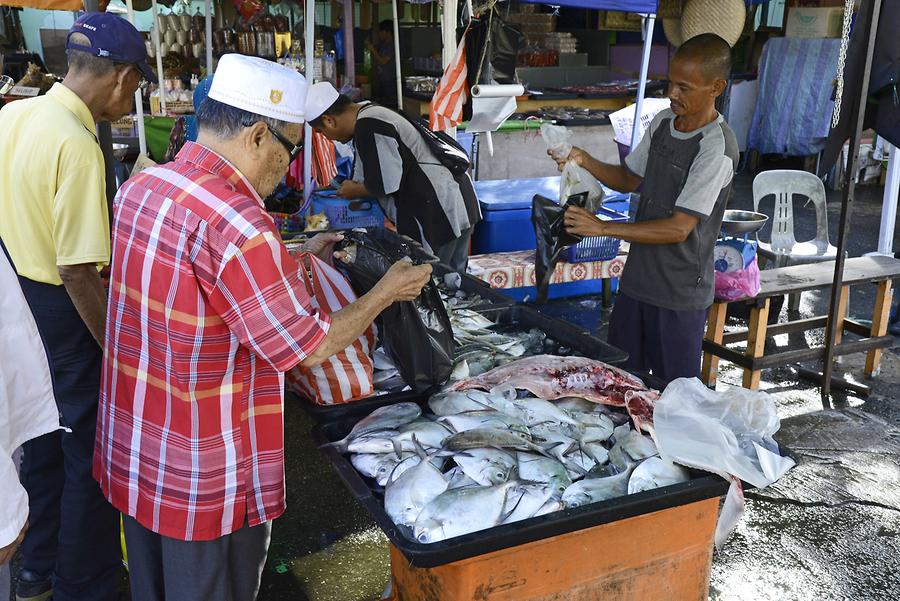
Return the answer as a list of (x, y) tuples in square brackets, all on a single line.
[(275, 96)]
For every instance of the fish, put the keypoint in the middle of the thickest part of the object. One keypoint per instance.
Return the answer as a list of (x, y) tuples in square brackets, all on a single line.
[(409, 461), (655, 472), (523, 501), (594, 490), (551, 506), (389, 417), (468, 320), (483, 438), (575, 404), (557, 441), (457, 478), (429, 434), (373, 442), (460, 370), (454, 403), (482, 419), (543, 470), (594, 427), (486, 466), (461, 511), (371, 464), (631, 447), (405, 497), (538, 411), (551, 377)]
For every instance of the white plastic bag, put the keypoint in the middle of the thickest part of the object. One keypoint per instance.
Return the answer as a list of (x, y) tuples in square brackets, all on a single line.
[(728, 433), (575, 179)]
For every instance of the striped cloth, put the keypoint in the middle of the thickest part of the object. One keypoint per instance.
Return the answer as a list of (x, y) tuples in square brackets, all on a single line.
[(451, 93), (206, 311), (347, 375), (324, 163)]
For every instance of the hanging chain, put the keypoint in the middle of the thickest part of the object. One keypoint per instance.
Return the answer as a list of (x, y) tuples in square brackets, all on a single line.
[(842, 59)]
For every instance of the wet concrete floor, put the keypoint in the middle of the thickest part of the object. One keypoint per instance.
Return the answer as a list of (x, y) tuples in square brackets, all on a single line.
[(830, 530)]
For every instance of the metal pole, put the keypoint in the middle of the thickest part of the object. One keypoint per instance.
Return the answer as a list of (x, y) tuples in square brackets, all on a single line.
[(104, 134), (889, 204), (873, 11), (159, 64), (397, 56), (209, 40), (138, 98), (649, 22), (309, 23), (349, 54)]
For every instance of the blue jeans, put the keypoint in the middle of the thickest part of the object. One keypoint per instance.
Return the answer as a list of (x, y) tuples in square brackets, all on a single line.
[(73, 534)]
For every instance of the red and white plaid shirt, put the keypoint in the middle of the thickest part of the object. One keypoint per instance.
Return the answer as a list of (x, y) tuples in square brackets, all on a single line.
[(207, 310)]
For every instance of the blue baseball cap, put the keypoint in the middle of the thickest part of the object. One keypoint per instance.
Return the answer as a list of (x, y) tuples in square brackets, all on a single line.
[(111, 37)]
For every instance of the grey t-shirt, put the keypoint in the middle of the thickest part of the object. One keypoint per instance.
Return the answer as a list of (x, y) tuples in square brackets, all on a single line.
[(689, 172)]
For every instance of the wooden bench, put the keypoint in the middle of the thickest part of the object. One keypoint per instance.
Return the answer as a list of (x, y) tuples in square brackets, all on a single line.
[(793, 280)]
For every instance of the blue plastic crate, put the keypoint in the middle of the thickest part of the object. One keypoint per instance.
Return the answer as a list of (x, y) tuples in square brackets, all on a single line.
[(596, 248), (561, 290), (339, 213)]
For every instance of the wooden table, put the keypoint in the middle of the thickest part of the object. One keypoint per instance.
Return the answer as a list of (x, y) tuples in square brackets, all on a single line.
[(793, 280)]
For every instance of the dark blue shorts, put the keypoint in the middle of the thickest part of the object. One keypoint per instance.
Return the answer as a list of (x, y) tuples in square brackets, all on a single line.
[(664, 342)]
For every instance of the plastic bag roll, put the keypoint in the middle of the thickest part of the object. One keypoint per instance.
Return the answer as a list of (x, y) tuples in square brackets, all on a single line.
[(497, 90)]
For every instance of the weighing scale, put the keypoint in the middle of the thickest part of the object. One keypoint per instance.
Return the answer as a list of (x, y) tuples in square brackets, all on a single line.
[(734, 252)]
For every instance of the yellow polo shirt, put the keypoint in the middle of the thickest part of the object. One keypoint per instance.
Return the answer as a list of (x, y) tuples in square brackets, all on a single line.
[(53, 207)]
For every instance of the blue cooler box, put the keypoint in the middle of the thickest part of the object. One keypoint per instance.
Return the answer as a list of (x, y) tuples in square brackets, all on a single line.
[(506, 211)]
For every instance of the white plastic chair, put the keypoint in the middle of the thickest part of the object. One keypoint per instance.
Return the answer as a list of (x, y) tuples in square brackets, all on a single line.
[(784, 248)]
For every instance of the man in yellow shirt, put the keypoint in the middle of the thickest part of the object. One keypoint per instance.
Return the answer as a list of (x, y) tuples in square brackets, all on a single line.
[(54, 223)]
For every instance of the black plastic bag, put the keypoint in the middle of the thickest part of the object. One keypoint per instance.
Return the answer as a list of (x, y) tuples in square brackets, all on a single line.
[(548, 217), (416, 335)]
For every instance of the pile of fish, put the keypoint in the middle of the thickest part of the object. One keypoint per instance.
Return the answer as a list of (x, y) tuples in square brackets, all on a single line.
[(530, 438), (481, 343)]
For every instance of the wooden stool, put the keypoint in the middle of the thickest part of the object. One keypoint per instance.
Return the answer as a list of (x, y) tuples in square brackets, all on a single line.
[(793, 280)]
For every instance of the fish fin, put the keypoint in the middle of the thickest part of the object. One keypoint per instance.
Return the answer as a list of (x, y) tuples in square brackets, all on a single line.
[(506, 516), (463, 454), (341, 446), (398, 448), (577, 469), (420, 450)]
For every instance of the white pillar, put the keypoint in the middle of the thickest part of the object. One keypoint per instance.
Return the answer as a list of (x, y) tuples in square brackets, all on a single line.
[(159, 65), (209, 39), (309, 25), (397, 55), (649, 22), (889, 202), (138, 98)]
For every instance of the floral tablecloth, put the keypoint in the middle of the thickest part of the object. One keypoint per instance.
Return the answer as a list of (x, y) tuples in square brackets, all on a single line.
[(516, 269)]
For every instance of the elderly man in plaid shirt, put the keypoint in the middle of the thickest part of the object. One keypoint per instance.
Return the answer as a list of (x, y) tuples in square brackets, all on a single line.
[(206, 312)]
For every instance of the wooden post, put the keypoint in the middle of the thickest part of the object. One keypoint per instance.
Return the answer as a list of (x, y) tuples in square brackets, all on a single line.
[(880, 317), (715, 327), (841, 314), (756, 342)]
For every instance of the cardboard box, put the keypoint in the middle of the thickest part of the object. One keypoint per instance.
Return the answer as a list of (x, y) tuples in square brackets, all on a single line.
[(803, 22)]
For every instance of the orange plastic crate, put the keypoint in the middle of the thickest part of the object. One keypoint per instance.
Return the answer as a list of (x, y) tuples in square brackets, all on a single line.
[(660, 556)]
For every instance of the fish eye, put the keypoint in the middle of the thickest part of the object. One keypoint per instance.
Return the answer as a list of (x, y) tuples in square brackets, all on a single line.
[(423, 538), (501, 475)]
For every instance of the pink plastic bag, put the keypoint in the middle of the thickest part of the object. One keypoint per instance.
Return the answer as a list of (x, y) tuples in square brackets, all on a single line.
[(738, 284)]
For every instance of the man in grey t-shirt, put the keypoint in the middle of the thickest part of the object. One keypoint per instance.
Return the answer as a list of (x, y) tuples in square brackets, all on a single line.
[(684, 164)]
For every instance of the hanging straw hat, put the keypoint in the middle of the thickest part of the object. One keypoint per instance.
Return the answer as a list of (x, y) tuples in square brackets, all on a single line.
[(724, 18)]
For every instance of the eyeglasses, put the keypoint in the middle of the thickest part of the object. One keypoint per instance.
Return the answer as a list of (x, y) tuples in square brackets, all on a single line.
[(293, 150)]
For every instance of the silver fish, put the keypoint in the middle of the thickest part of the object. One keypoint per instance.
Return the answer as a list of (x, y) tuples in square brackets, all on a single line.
[(429, 434), (551, 506), (454, 403), (461, 511), (575, 404), (544, 470), (370, 464), (457, 478), (482, 438), (585, 492), (390, 417), (524, 501), (655, 473), (486, 466), (630, 448), (405, 497), (372, 442), (482, 419), (460, 370), (535, 411), (595, 428), (409, 461)]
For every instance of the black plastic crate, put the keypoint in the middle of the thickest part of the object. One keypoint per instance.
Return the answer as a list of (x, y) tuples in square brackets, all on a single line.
[(702, 486), (522, 316), (472, 285)]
